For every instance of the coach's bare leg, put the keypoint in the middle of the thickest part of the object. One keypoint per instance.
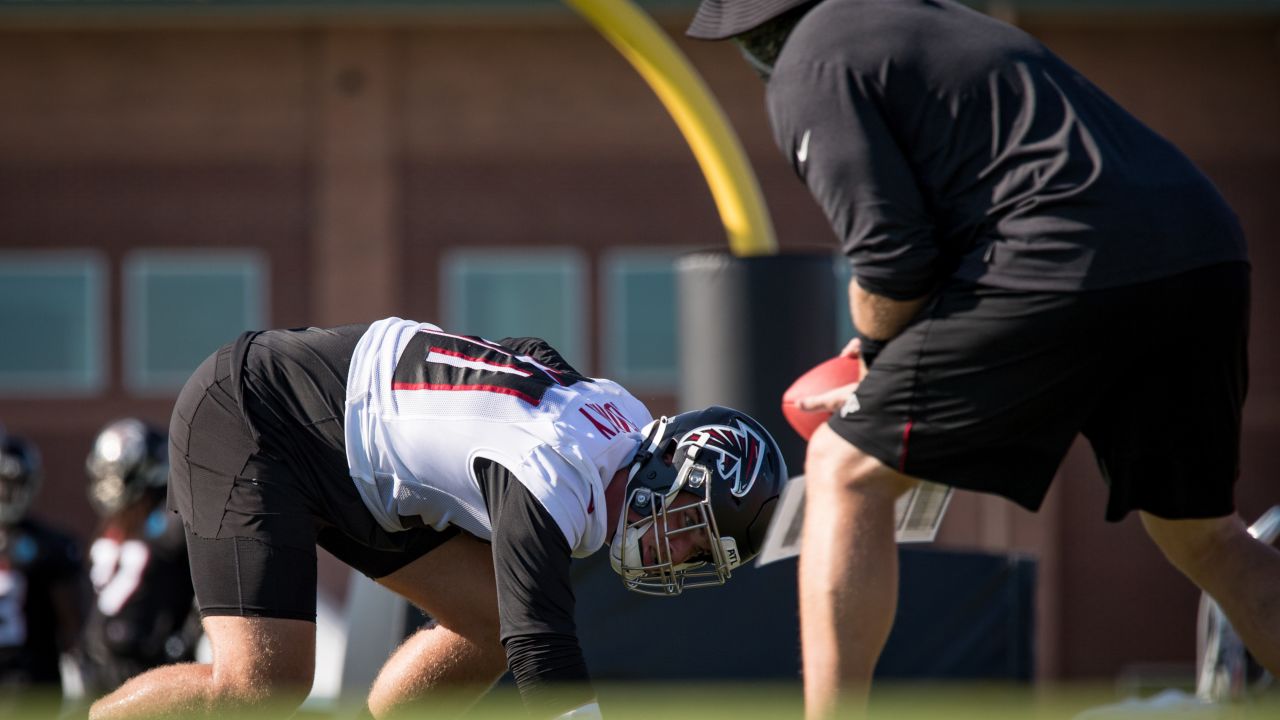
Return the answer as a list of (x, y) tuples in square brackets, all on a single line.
[(260, 665), (848, 573), (446, 668), (1239, 572)]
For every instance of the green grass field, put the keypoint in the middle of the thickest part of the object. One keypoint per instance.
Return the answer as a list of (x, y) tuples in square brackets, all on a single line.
[(782, 701)]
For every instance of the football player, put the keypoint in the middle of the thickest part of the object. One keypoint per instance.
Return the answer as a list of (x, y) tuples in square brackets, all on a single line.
[(39, 582), (463, 474), (142, 608)]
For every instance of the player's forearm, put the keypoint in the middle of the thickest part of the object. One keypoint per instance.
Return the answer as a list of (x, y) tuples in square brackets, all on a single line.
[(68, 609), (550, 673), (880, 317)]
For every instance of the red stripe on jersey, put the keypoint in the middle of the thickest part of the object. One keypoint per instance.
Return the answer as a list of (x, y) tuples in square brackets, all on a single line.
[(555, 374), (464, 356), (480, 388), (906, 438), (490, 345)]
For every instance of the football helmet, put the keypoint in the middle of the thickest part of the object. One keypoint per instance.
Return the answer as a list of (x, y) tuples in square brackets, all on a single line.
[(720, 472), (20, 474), (128, 458)]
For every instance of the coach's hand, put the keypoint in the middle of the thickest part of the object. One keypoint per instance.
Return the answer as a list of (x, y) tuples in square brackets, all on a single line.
[(830, 401), (853, 348)]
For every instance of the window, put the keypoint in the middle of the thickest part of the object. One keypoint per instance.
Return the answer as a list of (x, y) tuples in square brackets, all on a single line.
[(640, 320), (52, 313), (499, 292), (181, 306)]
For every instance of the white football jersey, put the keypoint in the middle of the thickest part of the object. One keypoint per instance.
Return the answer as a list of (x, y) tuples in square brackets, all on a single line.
[(423, 405)]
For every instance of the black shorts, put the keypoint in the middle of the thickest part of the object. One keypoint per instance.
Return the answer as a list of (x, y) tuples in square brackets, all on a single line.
[(988, 388), (258, 471)]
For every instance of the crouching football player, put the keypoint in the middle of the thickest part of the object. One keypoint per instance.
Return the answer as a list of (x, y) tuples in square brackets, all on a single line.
[(460, 473)]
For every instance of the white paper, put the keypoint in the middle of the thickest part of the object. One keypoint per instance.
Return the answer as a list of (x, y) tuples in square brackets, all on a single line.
[(917, 517)]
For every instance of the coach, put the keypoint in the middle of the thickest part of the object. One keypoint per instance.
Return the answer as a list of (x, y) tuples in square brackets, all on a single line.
[(1026, 257)]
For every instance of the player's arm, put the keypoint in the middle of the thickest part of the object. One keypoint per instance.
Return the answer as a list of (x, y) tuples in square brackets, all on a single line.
[(68, 609), (69, 594), (183, 613), (879, 317), (832, 120), (531, 559)]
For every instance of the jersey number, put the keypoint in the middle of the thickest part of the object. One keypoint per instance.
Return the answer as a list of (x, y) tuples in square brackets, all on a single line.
[(116, 571), (440, 361)]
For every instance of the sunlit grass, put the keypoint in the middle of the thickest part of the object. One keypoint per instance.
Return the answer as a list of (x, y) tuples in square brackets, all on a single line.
[(890, 701), (783, 701)]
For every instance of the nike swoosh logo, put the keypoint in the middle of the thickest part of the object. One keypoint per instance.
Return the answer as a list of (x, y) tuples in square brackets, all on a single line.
[(803, 153)]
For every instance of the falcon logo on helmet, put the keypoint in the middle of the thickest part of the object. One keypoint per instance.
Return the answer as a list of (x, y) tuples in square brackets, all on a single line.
[(740, 449)]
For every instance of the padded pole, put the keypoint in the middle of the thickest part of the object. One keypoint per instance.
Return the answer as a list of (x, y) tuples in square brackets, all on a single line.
[(749, 326)]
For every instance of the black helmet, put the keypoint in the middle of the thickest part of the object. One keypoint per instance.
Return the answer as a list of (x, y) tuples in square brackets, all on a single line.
[(731, 464), (128, 458), (20, 475)]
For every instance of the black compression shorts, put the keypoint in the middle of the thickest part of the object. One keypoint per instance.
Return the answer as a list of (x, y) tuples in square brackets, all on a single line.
[(258, 472), (988, 388)]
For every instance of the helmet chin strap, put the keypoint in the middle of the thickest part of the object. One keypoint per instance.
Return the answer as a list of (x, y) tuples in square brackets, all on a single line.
[(648, 446), (625, 550)]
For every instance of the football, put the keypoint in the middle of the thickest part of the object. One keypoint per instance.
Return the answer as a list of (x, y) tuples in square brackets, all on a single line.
[(822, 377)]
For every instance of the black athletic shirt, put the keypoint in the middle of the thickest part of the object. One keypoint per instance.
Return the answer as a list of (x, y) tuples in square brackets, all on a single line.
[(35, 562), (940, 141), (141, 615), (531, 561)]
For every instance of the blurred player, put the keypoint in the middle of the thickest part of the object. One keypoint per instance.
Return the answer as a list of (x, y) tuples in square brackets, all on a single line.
[(1028, 258), (461, 473), (40, 573), (142, 611)]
